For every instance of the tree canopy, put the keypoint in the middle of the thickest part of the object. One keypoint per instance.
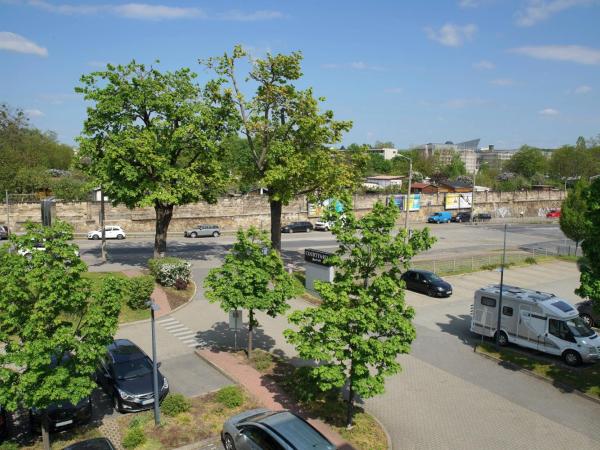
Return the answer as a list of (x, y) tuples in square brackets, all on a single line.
[(589, 265), (573, 215), (527, 162), (154, 138)]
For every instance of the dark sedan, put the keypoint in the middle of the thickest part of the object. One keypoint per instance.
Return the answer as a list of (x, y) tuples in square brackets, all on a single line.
[(126, 375), (297, 227), (587, 313), (426, 282), (63, 415)]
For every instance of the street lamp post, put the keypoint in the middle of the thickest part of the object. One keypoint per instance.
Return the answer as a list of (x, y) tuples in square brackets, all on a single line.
[(154, 307), (407, 192), (498, 325)]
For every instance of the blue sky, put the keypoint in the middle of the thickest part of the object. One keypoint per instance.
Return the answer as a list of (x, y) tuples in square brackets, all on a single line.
[(508, 72)]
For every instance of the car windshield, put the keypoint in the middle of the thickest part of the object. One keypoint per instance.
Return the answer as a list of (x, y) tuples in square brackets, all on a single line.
[(431, 277), (133, 369), (579, 328)]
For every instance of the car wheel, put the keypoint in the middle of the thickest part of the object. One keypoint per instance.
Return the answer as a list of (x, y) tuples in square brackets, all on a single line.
[(291, 230), (119, 236), (572, 358), (308, 230), (459, 220), (431, 292), (193, 234), (117, 403), (216, 234), (95, 237), (228, 442), (587, 319), (502, 339)]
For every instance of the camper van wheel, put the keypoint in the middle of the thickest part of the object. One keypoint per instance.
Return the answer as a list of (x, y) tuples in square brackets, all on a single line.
[(572, 358), (502, 339)]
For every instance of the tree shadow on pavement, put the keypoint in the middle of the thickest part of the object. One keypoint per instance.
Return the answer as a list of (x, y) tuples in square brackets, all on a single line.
[(220, 336), (458, 326)]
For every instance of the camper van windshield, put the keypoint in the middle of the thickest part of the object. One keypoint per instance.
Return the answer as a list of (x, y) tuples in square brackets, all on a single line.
[(579, 328)]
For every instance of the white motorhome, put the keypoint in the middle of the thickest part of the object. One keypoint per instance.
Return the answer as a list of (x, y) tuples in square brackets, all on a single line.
[(536, 320)]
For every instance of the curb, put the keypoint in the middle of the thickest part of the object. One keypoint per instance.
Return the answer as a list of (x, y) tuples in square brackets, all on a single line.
[(390, 446), (216, 367), (560, 384), (139, 322)]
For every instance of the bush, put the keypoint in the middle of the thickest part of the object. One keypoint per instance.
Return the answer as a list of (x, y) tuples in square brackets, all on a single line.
[(168, 270), (530, 260), (9, 445), (175, 404), (261, 360), (181, 284), (140, 420), (134, 438), (230, 396), (139, 291)]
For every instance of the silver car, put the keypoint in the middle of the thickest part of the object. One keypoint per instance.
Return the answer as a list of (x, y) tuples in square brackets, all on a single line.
[(263, 429), (203, 230)]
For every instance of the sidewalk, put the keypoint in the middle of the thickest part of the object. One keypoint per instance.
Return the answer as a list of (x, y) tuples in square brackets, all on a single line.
[(158, 294), (266, 392)]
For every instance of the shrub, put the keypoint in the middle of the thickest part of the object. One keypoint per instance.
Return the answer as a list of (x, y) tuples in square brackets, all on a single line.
[(175, 404), (134, 438), (139, 291), (261, 360), (140, 420), (168, 270), (9, 445), (530, 260), (181, 284), (230, 396)]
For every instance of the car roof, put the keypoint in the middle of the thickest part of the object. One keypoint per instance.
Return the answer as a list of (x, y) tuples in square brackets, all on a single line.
[(421, 271), (122, 350), (293, 430), (92, 444)]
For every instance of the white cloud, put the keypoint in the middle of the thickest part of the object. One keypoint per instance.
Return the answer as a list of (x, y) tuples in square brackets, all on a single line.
[(67, 9), (502, 82), (395, 90), (34, 113), (241, 16), (484, 65), (155, 12), (549, 112), (452, 35), (571, 53), (540, 10), (356, 65), (16, 43), (583, 89)]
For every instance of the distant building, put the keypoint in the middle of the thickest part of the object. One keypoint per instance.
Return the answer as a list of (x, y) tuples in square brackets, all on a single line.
[(387, 153), (493, 158), (384, 181), (466, 150)]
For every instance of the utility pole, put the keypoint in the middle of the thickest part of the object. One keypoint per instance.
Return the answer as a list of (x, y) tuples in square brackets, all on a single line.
[(407, 193), (103, 231), (499, 325), (473, 198)]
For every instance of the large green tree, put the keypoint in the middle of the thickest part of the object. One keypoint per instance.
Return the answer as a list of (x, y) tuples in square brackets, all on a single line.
[(289, 139), (573, 215), (253, 278), (589, 265), (362, 324), (53, 328), (154, 138), (571, 162), (528, 161)]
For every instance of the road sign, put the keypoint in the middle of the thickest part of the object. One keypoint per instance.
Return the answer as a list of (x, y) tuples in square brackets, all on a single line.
[(235, 319)]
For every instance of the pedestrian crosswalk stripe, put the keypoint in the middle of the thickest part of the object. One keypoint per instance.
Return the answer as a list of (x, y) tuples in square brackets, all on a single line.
[(172, 325), (184, 333), (167, 320), (178, 328), (189, 341)]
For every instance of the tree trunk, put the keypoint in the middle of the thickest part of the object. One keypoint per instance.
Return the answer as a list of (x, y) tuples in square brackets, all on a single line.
[(250, 330), (276, 208), (350, 411), (45, 431), (164, 214)]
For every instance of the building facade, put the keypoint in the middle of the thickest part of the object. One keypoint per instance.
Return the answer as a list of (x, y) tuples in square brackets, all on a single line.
[(466, 150)]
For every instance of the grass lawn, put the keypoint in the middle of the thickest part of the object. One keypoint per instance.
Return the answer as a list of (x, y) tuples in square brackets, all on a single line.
[(585, 378), (127, 314)]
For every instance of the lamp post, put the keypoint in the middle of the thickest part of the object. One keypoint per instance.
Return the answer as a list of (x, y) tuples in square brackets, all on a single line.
[(407, 192), (498, 325), (154, 307)]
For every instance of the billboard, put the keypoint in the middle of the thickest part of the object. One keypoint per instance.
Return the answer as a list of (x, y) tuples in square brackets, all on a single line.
[(318, 209), (414, 202), (458, 200)]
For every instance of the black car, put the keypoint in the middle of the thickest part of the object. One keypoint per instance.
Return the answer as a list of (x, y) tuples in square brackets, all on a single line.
[(462, 217), (126, 375), (63, 415), (296, 227), (3, 424), (426, 282), (3, 232), (482, 217), (587, 313), (92, 444)]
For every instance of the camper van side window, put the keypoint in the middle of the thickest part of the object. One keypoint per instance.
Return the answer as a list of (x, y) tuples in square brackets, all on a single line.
[(486, 301), (507, 311)]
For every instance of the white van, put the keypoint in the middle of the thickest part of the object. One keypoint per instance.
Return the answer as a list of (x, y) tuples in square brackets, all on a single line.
[(536, 320)]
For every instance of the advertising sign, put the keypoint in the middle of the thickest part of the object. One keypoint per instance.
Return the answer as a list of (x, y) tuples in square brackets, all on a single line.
[(458, 200), (414, 202), (314, 256), (318, 209)]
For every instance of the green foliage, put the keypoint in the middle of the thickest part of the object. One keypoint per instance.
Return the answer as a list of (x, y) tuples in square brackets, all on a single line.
[(571, 162), (527, 162), (530, 260), (252, 277), (573, 214), (589, 265), (261, 360), (27, 153), (139, 290), (48, 310), (363, 323), (455, 168), (288, 138), (71, 188), (175, 404), (230, 396), (154, 138), (134, 438), (140, 420), (168, 270), (9, 445)]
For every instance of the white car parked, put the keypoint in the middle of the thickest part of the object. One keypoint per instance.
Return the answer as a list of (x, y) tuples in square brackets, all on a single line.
[(112, 232), (322, 225)]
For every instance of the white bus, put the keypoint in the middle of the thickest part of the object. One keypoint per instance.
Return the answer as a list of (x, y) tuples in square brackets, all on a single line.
[(536, 320)]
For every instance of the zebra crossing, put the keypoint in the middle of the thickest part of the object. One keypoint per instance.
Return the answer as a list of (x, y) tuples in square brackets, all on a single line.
[(183, 333)]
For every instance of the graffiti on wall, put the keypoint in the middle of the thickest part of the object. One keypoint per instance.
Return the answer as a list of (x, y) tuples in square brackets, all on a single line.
[(502, 212)]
